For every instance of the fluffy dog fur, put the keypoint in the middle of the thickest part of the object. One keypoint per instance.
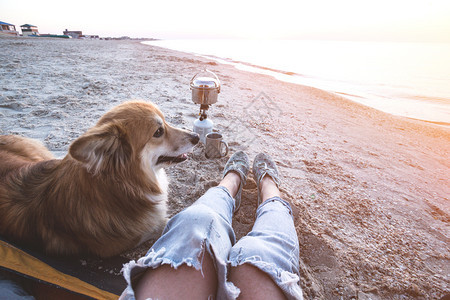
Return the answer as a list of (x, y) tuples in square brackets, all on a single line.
[(106, 196)]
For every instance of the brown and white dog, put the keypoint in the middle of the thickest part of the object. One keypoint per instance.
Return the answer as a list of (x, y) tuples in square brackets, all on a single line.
[(106, 196)]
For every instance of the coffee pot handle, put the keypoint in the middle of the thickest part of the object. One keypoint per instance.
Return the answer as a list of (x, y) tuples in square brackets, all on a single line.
[(226, 148), (211, 72)]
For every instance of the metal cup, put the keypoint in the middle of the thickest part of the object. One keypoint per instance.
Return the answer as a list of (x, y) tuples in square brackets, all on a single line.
[(214, 145)]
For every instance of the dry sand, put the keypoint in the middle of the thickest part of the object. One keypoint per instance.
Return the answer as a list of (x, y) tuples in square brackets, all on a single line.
[(370, 190)]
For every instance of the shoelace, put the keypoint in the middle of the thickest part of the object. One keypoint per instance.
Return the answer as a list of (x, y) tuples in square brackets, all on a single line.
[(266, 171)]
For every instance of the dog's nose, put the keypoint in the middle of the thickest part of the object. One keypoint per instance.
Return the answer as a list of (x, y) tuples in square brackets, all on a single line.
[(195, 138)]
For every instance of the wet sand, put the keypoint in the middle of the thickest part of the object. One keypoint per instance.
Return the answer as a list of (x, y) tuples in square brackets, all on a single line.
[(370, 190)]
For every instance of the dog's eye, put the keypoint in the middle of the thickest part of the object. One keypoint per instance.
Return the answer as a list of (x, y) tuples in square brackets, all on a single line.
[(158, 133)]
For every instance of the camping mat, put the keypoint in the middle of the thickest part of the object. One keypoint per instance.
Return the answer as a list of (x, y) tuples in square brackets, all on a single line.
[(92, 277)]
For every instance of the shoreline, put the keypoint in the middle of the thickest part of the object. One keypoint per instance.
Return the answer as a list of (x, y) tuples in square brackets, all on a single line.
[(369, 190), (368, 98), (288, 73)]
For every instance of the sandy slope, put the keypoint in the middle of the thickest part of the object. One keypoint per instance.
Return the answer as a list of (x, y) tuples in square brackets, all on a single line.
[(370, 190)]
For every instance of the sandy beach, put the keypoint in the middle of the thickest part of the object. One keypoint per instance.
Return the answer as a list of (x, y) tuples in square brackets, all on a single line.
[(370, 191)]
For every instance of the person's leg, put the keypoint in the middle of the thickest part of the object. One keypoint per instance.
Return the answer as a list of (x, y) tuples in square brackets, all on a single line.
[(189, 260), (254, 283), (265, 262), (159, 283), (167, 283)]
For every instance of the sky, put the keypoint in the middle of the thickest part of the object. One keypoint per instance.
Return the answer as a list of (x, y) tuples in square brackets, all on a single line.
[(375, 20)]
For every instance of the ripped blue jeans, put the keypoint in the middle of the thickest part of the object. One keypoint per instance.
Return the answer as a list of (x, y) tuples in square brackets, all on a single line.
[(271, 246)]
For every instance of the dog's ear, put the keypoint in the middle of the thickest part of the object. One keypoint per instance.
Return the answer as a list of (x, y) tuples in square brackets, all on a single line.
[(104, 148)]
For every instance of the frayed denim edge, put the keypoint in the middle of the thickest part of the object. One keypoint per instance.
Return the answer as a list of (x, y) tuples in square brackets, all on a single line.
[(153, 260), (288, 282)]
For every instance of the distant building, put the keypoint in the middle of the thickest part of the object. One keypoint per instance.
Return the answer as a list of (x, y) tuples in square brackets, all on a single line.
[(73, 34), (29, 30), (7, 29), (92, 37)]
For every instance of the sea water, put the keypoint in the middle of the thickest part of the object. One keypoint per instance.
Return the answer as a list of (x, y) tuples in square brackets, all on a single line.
[(405, 79)]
